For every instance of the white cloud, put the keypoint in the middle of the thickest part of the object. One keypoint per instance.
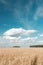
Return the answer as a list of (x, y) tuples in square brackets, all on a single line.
[(29, 39), (21, 40), (17, 41), (18, 31), (14, 37), (17, 34), (41, 41), (41, 35), (3, 40)]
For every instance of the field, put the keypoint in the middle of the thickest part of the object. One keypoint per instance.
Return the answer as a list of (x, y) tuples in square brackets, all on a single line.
[(21, 56)]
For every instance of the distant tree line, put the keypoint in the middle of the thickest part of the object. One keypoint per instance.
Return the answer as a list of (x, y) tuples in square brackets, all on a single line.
[(36, 46), (16, 46)]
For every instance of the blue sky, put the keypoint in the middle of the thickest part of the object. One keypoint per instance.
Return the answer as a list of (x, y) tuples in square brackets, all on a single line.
[(21, 15)]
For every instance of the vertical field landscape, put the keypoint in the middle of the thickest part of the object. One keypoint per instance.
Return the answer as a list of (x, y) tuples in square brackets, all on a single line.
[(21, 32)]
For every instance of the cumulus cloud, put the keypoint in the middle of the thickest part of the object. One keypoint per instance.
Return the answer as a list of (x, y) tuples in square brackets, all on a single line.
[(18, 36), (18, 31)]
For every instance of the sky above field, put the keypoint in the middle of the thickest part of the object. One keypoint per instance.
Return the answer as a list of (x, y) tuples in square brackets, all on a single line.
[(21, 22)]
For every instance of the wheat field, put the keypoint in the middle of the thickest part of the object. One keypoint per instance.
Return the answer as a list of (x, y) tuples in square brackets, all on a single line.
[(21, 56)]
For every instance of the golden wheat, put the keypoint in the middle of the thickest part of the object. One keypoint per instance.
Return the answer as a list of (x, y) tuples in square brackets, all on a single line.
[(21, 56)]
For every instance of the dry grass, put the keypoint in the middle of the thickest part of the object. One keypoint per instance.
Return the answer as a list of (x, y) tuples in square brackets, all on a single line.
[(21, 56)]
